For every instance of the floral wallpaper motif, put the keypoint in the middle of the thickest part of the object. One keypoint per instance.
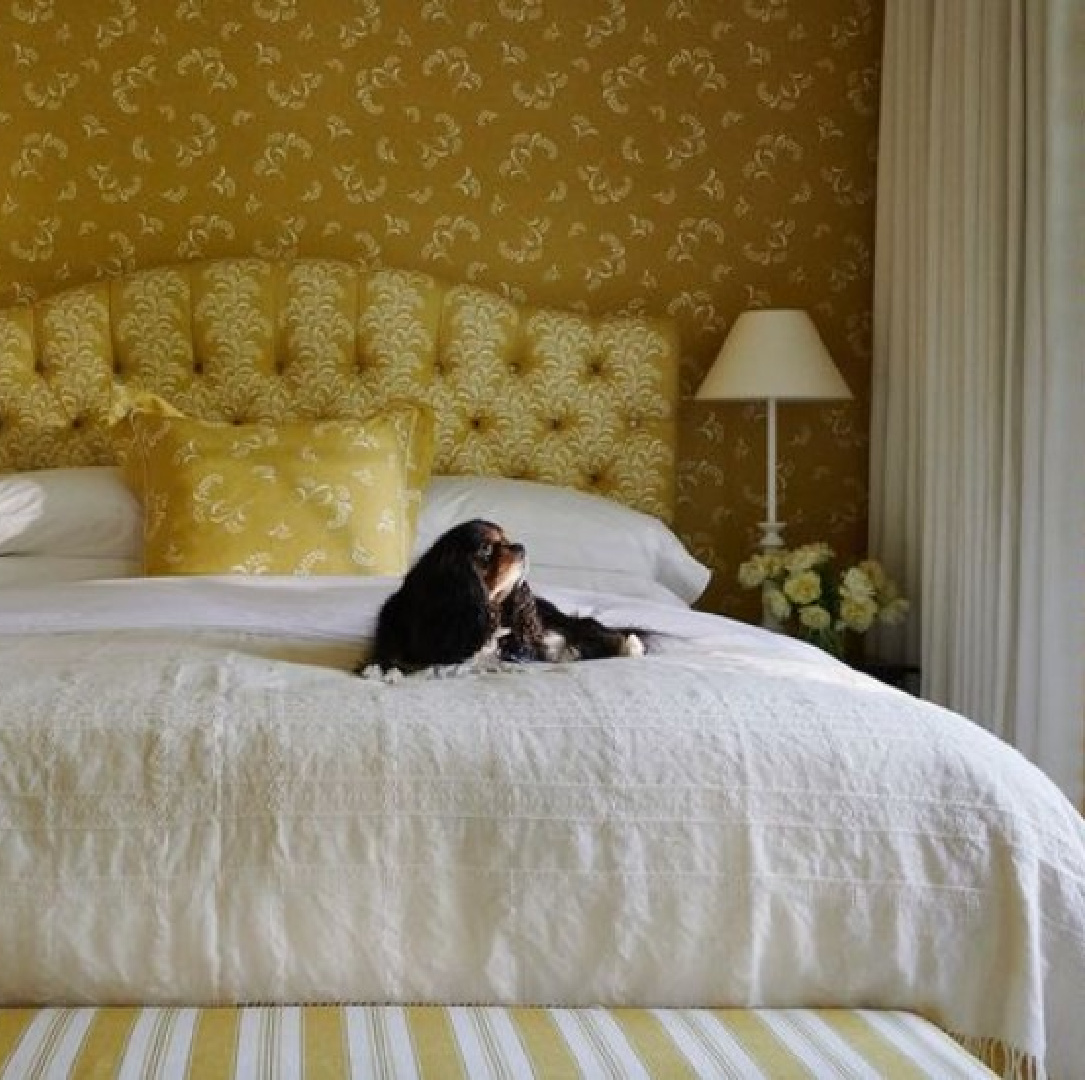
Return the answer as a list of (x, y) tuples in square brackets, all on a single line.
[(688, 158)]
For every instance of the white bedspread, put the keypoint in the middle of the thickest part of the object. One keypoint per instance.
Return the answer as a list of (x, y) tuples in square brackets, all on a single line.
[(198, 803)]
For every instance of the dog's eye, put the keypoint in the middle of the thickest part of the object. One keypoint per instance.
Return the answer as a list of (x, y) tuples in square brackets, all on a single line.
[(485, 551)]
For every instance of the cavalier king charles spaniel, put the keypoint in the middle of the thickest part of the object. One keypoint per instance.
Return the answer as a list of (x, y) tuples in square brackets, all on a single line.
[(466, 598)]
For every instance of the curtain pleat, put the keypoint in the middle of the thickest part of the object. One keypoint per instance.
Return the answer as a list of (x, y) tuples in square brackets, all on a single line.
[(979, 363)]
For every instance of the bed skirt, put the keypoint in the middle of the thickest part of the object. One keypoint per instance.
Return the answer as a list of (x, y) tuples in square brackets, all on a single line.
[(436, 1043)]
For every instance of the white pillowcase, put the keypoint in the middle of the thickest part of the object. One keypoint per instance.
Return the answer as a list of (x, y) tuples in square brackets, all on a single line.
[(84, 512), (573, 538), (53, 569), (566, 530), (603, 581)]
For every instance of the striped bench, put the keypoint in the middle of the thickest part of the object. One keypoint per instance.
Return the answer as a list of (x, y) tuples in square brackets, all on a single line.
[(474, 1043)]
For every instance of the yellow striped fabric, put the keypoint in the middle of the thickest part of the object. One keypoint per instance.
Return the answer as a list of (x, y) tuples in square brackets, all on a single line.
[(475, 1043)]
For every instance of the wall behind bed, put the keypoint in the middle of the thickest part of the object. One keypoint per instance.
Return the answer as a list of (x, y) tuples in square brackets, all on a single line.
[(682, 157)]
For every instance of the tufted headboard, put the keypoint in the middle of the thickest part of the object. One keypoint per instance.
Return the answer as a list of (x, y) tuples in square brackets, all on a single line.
[(535, 394)]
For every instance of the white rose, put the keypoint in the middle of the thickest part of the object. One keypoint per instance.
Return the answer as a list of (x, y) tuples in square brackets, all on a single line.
[(857, 613), (807, 557), (815, 617), (876, 573), (773, 562), (856, 585), (894, 612), (751, 573), (777, 604)]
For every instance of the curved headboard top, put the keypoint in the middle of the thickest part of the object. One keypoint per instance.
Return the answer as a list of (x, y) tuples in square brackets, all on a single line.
[(584, 401)]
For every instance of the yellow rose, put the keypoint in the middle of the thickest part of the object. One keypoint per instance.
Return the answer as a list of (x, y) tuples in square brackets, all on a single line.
[(876, 573), (857, 613), (752, 572), (773, 562), (759, 568), (894, 612), (815, 617), (777, 604), (807, 557), (856, 585), (803, 588)]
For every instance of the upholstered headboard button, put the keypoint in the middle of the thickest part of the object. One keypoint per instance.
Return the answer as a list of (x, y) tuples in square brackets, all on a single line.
[(547, 394)]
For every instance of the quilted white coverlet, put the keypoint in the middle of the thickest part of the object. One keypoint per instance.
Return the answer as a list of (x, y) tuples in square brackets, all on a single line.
[(199, 804)]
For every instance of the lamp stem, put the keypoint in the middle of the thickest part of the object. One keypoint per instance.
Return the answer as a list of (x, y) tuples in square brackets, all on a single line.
[(770, 529), (770, 478)]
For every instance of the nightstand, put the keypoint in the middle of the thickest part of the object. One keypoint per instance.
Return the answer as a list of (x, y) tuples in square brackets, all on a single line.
[(902, 676)]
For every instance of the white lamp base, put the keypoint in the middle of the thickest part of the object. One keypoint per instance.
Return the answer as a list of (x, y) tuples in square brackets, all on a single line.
[(771, 540)]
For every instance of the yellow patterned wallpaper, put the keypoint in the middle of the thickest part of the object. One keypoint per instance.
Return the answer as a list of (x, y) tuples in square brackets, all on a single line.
[(688, 158)]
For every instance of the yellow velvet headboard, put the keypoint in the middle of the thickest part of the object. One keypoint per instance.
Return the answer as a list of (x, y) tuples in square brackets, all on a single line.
[(542, 395)]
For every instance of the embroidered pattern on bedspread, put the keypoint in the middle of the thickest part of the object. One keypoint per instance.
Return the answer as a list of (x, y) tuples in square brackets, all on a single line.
[(711, 824)]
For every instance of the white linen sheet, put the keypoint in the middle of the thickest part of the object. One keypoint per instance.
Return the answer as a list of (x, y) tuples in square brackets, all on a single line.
[(199, 804), (47, 569)]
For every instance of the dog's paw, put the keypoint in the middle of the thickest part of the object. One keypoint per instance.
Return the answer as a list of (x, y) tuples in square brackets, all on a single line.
[(378, 674), (553, 647), (632, 646)]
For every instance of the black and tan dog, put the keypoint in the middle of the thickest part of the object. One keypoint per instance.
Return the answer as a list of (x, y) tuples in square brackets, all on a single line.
[(466, 597)]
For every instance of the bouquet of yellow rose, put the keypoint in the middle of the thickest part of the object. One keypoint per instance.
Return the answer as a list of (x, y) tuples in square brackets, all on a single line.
[(802, 589)]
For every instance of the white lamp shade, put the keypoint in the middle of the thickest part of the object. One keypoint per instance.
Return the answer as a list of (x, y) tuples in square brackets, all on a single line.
[(773, 355)]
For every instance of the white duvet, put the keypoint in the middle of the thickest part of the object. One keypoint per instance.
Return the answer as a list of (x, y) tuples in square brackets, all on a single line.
[(198, 803)]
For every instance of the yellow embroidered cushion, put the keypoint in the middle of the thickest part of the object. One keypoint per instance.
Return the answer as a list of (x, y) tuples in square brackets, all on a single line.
[(322, 497), (414, 423)]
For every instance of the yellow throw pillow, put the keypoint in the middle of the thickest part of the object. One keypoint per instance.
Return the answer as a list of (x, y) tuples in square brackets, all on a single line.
[(126, 436), (414, 424), (320, 497)]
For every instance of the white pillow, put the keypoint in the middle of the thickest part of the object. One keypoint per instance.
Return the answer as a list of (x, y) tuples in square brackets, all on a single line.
[(565, 529), (572, 538), (603, 581), (84, 512), (52, 569)]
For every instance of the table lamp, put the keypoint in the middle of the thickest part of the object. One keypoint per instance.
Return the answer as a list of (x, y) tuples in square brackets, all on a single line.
[(773, 355)]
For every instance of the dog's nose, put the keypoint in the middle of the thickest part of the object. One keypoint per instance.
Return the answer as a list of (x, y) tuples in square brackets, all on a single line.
[(517, 550)]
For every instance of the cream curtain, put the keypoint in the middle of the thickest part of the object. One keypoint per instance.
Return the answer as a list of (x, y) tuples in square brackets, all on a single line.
[(978, 397)]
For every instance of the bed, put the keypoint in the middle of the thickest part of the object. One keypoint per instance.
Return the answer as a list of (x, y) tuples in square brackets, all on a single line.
[(201, 806)]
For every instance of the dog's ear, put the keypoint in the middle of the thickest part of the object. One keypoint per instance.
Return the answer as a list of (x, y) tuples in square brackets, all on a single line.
[(444, 614), (518, 613), (523, 641)]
